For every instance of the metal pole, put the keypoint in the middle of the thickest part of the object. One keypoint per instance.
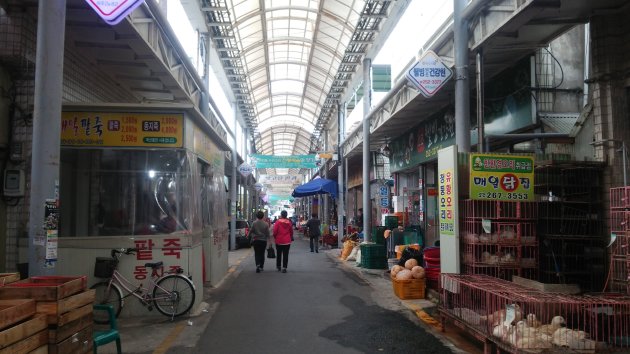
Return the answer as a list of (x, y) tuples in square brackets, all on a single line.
[(340, 207), (462, 100), (480, 98), (325, 196), (233, 187), (367, 98), (45, 160)]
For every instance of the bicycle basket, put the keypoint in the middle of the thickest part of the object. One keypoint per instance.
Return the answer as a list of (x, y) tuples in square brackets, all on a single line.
[(104, 267)]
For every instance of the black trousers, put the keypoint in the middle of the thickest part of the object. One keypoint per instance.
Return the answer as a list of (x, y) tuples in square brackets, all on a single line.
[(314, 242), (282, 255), (259, 252)]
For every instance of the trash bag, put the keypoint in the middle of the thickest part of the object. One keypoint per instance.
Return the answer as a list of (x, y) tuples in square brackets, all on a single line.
[(409, 253)]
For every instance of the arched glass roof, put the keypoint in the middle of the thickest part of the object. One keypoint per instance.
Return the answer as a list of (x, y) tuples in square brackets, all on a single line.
[(289, 51), (289, 62)]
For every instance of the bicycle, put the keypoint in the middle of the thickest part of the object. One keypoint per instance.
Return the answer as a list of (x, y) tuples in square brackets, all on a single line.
[(172, 294)]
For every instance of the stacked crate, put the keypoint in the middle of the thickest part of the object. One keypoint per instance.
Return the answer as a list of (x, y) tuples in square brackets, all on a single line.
[(63, 304), (571, 224), (507, 246), (620, 226), (22, 330)]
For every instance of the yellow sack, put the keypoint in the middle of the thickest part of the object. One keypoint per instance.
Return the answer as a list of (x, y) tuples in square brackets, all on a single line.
[(347, 249)]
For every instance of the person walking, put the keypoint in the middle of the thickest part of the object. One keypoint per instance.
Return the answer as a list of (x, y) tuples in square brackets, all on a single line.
[(283, 235), (259, 239), (313, 225)]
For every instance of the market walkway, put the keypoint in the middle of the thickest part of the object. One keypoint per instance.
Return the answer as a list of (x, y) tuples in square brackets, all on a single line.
[(321, 305)]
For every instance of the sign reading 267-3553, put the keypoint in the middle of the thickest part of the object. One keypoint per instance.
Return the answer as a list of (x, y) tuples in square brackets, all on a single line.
[(502, 177)]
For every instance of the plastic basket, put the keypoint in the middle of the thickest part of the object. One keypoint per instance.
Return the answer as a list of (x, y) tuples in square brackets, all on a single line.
[(409, 289), (104, 267)]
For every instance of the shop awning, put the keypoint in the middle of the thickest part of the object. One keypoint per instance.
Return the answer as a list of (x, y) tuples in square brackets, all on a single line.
[(316, 186)]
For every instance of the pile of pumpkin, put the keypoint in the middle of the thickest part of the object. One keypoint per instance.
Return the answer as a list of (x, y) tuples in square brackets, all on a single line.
[(411, 270)]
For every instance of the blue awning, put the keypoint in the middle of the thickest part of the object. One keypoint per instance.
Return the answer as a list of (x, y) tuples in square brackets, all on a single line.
[(316, 186)]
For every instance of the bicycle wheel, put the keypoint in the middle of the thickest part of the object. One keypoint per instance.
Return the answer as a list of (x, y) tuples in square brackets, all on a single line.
[(107, 294), (174, 295)]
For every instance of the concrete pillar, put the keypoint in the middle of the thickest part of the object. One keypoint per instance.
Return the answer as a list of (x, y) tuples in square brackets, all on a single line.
[(44, 184), (367, 105)]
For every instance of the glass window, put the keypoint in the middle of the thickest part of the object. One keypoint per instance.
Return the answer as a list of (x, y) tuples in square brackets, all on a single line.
[(125, 192)]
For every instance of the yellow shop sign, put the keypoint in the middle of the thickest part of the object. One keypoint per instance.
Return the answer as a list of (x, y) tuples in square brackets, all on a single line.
[(122, 129), (502, 177)]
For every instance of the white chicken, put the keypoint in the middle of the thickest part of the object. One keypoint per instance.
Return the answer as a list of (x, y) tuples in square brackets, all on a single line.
[(498, 317), (550, 329), (532, 321), (573, 339)]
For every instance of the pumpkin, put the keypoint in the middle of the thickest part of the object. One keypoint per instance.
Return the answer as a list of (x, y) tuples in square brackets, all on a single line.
[(404, 274), (410, 263), (417, 272), (396, 269)]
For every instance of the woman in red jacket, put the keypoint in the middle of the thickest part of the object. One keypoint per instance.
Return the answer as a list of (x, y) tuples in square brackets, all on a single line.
[(283, 235)]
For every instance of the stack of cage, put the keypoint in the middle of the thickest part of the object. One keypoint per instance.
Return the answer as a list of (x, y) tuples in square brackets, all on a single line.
[(570, 227), (373, 256), (620, 227), (506, 245), (524, 320)]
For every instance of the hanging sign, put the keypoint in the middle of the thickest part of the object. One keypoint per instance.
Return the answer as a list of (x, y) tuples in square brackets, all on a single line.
[(281, 179), (112, 11), (429, 74), (245, 169), (102, 129), (292, 161), (502, 177), (258, 186)]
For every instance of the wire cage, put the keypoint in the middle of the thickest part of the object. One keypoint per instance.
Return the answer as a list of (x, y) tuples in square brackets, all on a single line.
[(497, 209), (620, 198), (523, 320)]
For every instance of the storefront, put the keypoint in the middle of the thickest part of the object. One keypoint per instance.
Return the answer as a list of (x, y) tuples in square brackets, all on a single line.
[(145, 178)]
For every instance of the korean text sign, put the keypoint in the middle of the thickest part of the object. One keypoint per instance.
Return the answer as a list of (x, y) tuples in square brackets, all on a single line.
[(446, 199), (122, 129), (502, 177)]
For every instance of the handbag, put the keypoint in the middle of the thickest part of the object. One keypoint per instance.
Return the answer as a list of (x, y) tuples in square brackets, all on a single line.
[(271, 253)]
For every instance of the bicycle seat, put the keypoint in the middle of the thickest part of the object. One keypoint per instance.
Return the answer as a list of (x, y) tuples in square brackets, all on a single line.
[(154, 265)]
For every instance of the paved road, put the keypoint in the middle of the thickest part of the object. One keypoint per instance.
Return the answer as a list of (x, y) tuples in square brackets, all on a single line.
[(316, 307)]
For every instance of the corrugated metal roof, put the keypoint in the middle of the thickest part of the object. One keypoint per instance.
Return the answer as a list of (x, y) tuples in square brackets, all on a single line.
[(559, 122)]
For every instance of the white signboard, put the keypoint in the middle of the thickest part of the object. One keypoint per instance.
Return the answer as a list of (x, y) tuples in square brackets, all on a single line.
[(429, 74), (281, 179), (113, 11), (245, 169)]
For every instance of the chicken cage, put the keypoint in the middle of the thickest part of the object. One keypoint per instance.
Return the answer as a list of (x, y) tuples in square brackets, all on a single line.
[(518, 319)]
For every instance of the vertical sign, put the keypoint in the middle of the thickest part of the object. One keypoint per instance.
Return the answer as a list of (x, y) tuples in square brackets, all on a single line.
[(51, 226), (448, 200)]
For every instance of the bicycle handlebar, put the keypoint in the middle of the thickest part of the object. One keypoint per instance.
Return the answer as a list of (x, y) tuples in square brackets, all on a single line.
[(127, 251)]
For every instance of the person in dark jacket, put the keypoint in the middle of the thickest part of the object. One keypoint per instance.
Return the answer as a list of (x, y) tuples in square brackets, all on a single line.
[(259, 233), (283, 235), (313, 225)]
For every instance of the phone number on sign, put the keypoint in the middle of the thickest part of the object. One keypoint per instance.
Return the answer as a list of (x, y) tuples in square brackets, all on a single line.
[(500, 195)]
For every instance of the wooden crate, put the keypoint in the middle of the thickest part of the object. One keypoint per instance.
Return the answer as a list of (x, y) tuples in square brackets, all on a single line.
[(22, 330), (80, 342), (44, 288), (59, 311), (15, 310), (70, 323), (41, 350), (27, 345), (8, 278), (409, 289)]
